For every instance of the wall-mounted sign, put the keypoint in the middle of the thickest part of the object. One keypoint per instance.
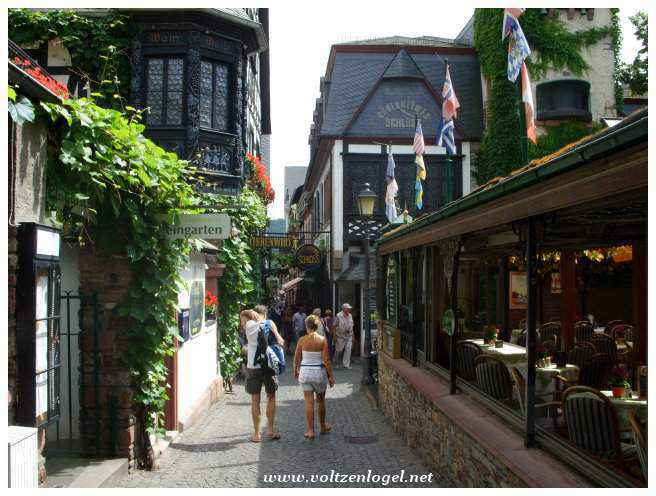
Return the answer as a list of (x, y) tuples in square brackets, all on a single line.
[(201, 226), (518, 292), (402, 113), (196, 307), (308, 257), (556, 287), (283, 242)]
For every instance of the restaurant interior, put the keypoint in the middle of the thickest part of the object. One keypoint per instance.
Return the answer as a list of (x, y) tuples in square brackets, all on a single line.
[(538, 308)]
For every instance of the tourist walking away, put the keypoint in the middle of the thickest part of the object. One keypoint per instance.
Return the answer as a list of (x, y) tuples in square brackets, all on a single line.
[(258, 376), (314, 373), (287, 329), (328, 325), (344, 334), (321, 331), (298, 323)]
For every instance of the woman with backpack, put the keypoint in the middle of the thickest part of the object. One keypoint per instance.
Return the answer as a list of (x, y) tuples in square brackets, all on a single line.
[(313, 371)]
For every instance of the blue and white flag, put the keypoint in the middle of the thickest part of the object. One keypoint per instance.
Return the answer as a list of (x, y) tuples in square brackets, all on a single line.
[(518, 49), (392, 189), (450, 106)]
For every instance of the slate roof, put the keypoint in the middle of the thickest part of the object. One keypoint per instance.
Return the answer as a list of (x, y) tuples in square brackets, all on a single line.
[(407, 41), (354, 75), (402, 65)]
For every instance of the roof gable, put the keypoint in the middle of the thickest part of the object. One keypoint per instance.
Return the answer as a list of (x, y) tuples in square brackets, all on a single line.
[(402, 66)]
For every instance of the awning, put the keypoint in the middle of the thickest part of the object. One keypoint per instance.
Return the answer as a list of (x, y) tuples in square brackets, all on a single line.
[(291, 284)]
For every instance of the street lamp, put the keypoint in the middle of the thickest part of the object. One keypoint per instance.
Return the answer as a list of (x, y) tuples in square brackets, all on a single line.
[(366, 203)]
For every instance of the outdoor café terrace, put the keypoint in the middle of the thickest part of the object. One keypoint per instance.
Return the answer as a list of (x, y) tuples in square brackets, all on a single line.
[(528, 297)]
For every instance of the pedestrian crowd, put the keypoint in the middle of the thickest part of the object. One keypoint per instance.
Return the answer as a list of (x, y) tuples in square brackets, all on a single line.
[(314, 342)]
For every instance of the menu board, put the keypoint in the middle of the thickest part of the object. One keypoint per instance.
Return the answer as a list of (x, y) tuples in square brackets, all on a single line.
[(391, 292)]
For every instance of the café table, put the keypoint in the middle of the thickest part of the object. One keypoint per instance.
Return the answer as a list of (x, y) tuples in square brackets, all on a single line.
[(625, 405), (545, 385), (509, 353)]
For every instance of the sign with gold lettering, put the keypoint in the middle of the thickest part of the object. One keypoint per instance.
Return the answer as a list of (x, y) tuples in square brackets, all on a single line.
[(268, 241), (308, 257)]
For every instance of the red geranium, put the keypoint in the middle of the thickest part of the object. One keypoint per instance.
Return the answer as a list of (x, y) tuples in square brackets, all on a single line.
[(45, 80), (259, 180)]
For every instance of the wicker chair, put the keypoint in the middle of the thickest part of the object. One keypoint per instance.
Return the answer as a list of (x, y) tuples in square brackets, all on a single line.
[(493, 378), (543, 410), (593, 426), (581, 354), (583, 331), (466, 353), (521, 339), (640, 437), (611, 324), (592, 374), (623, 334), (550, 332), (522, 324), (605, 344)]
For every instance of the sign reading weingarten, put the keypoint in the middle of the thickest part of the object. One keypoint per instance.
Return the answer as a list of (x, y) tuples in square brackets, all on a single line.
[(203, 226)]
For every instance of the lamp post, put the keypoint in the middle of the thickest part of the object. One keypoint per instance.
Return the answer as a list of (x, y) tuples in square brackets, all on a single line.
[(366, 202)]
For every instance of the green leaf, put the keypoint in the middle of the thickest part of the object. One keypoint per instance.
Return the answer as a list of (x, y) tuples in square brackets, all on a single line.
[(21, 111), (11, 93)]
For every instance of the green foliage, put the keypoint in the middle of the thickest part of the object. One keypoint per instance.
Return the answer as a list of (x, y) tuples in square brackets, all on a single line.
[(635, 74), (237, 289), (553, 46), (99, 45), (21, 110), (110, 184), (616, 36), (557, 136)]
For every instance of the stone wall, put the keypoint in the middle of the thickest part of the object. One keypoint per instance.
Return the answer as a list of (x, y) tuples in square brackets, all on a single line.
[(12, 268), (445, 430)]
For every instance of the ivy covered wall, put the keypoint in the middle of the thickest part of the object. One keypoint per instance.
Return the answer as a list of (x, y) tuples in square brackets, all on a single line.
[(557, 49)]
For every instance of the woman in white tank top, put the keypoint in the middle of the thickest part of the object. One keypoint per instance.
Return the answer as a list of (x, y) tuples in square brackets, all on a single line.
[(314, 373)]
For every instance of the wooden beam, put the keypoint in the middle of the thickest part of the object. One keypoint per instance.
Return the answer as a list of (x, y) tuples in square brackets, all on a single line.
[(569, 297), (640, 299)]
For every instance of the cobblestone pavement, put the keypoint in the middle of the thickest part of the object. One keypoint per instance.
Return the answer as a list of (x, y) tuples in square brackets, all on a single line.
[(216, 452)]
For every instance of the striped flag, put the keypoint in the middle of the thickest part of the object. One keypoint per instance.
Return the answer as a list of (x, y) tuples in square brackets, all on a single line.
[(529, 109), (392, 188), (450, 106), (419, 149), (518, 48)]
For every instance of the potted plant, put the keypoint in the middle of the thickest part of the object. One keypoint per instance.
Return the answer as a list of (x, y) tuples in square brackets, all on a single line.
[(490, 335), (498, 342), (619, 381), (540, 355), (210, 307)]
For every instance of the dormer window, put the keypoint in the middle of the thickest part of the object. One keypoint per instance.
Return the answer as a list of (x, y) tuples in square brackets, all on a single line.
[(568, 99), (164, 95)]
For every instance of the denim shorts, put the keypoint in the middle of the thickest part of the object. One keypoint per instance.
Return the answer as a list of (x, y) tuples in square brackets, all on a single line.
[(255, 378)]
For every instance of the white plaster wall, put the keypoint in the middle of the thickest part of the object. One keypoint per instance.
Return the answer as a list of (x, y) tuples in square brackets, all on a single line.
[(466, 168), (600, 61), (338, 200), (197, 358)]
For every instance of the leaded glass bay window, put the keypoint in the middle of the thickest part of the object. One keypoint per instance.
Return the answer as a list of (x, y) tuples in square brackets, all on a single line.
[(215, 95), (165, 89)]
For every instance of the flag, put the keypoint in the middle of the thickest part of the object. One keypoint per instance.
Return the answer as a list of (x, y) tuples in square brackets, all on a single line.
[(518, 48), (450, 106), (392, 188), (419, 149), (529, 109)]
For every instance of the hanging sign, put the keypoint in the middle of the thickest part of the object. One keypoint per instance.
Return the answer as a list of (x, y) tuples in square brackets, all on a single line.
[(308, 257), (283, 242), (201, 226), (449, 322)]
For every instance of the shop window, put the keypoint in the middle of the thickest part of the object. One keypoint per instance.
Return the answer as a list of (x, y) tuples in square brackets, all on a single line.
[(568, 99), (165, 89), (215, 95)]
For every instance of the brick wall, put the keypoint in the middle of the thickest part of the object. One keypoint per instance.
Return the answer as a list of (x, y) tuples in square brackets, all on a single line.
[(109, 278)]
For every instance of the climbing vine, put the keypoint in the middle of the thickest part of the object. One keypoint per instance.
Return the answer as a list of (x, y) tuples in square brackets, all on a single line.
[(238, 288), (554, 47), (109, 186), (99, 45)]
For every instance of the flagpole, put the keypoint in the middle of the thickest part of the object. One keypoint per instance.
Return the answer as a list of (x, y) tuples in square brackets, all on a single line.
[(415, 202), (447, 165), (523, 138)]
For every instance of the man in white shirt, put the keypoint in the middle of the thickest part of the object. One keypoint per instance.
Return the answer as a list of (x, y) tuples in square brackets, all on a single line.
[(344, 333)]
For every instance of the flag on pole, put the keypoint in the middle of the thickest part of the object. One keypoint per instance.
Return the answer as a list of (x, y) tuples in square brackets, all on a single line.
[(518, 48), (450, 106), (392, 188), (419, 149), (529, 110)]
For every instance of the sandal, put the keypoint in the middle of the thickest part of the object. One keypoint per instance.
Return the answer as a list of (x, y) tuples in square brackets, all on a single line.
[(273, 437), (254, 439), (308, 436), (326, 429)]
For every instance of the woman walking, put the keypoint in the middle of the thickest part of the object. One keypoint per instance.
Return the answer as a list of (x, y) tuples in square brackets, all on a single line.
[(313, 371)]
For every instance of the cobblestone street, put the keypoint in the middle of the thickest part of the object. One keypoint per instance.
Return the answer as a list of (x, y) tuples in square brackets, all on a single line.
[(217, 453)]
